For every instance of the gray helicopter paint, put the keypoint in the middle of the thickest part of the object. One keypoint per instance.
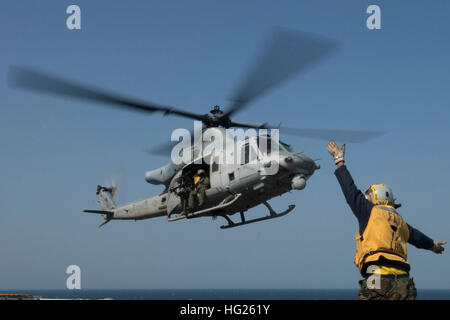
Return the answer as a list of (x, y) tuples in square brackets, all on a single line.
[(162, 175), (105, 200), (249, 180), (143, 209)]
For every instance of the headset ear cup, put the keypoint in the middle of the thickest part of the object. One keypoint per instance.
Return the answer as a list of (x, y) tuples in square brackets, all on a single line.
[(369, 195)]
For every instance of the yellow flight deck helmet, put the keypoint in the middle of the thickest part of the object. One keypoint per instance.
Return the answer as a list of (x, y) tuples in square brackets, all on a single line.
[(380, 194)]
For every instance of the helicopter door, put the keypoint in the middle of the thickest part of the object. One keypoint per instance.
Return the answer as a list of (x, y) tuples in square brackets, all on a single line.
[(248, 167), (228, 169), (217, 170)]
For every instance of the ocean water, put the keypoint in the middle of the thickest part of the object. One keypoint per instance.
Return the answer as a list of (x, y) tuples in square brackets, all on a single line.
[(218, 294)]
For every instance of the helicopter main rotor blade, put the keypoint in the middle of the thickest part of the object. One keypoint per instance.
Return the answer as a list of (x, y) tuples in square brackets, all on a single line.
[(164, 149), (349, 136), (287, 53), (28, 78), (345, 136), (249, 125)]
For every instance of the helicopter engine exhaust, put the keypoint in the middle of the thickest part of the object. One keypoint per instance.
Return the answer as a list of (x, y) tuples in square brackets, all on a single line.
[(162, 175), (298, 182)]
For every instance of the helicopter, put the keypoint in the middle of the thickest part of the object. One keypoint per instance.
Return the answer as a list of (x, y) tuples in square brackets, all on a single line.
[(235, 187)]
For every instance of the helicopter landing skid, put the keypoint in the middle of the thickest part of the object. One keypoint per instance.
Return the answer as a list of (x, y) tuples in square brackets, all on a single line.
[(272, 215), (223, 204)]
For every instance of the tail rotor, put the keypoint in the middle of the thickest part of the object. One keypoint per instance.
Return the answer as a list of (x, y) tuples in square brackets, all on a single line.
[(105, 197)]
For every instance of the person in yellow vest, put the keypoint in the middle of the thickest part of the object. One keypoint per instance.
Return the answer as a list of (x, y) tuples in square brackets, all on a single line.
[(381, 254), (201, 183)]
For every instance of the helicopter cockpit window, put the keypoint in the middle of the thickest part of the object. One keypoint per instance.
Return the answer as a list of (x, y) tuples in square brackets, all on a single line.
[(286, 146), (281, 148), (248, 154), (265, 145)]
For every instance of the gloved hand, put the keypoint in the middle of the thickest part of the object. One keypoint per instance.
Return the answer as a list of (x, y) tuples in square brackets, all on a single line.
[(338, 154), (438, 246)]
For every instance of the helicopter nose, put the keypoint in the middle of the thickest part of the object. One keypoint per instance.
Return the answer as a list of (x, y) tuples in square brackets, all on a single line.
[(299, 162)]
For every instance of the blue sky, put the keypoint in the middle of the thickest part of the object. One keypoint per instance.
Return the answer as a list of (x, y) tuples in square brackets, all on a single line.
[(55, 151)]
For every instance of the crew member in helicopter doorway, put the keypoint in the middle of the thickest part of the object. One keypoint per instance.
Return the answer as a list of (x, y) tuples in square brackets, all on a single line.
[(201, 183)]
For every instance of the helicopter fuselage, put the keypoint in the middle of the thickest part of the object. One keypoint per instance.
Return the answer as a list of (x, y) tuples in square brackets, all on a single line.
[(258, 175)]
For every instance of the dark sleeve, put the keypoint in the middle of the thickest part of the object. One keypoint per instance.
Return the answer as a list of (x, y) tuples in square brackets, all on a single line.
[(360, 206), (419, 240)]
